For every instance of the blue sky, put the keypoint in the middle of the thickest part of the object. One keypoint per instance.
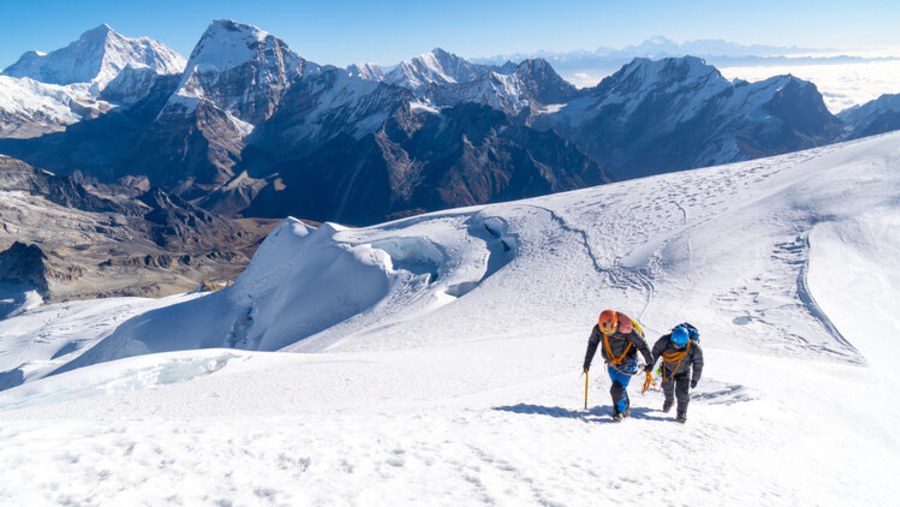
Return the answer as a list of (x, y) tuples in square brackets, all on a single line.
[(345, 31)]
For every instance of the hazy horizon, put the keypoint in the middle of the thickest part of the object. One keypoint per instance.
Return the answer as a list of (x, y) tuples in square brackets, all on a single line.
[(349, 31)]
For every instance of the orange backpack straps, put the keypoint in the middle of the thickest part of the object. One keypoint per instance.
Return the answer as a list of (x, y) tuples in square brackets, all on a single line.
[(613, 360), (677, 358)]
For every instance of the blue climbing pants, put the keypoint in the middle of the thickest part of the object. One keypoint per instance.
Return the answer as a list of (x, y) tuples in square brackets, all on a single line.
[(620, 378)]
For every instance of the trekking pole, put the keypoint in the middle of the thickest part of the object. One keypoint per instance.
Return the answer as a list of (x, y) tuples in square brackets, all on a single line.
[(585, 389)]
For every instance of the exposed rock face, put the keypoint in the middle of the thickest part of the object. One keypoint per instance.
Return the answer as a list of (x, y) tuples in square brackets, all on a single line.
[(25, 264), (198, 147), (542, 84), (679, 113), (876, 117), (233, 82), (469, 154), (323, 106), (102, 147), (68, 240)]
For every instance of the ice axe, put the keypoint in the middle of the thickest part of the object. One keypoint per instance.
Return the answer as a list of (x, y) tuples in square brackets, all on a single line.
[(585, 387)]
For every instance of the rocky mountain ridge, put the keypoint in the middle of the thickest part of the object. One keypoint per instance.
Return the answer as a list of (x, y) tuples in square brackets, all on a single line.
[(252, 128), (71, 239)]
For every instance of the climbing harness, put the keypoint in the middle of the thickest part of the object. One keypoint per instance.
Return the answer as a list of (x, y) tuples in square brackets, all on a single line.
[(674, 357), (613, 360)]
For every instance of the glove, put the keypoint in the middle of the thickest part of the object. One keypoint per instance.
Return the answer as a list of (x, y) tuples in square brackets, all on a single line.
[(648, 368), (586, 368), (693, 383)]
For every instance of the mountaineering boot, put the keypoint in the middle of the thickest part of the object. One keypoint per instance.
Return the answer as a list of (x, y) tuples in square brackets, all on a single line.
[(627, 412), (667, 405), (618, 416), (681, 418)]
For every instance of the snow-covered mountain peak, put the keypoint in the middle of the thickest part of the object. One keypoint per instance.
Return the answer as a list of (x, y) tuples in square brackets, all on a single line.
[(643, 75), (99, 32), (368, 71), (228, 43), (435, 67), (688, 68), (240, 69), (96, 57)]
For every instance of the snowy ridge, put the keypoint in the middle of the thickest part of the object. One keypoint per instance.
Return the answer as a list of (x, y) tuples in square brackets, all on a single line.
[(434, 67), (443, 79), (368, 71), (687, 110), (334, 100), (504, 92), (880, 115), (689, 76), (29, 108)]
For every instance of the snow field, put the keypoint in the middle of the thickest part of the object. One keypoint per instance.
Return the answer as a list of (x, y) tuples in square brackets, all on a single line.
[(393, 438)]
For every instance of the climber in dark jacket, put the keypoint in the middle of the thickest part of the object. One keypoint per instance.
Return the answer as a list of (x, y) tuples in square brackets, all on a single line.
[(682, 366), (621, 338)]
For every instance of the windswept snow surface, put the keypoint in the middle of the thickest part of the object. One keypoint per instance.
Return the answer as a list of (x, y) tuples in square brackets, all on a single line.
[(437, 358)]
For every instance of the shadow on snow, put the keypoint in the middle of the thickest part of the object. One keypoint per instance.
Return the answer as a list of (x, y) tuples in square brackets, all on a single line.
[(600, 414)]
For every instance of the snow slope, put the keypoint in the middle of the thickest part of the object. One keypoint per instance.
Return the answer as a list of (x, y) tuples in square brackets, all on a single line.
[(437, 358), (29, 108)]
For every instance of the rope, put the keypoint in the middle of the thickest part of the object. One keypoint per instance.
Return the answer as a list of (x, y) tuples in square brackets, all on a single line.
[(613, 360), (671, 357), (648, 382)]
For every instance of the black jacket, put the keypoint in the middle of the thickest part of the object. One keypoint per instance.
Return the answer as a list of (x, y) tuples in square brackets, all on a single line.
[(693, 358), (617, 344)]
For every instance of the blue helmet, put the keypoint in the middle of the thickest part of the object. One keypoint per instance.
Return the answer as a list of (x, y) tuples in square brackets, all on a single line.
[(680, 336)]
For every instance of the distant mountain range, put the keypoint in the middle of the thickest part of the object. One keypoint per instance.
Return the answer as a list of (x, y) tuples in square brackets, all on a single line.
[(248, 127), (586, 66)]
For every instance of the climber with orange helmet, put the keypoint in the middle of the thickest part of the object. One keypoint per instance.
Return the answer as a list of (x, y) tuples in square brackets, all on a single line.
[(621, 337)]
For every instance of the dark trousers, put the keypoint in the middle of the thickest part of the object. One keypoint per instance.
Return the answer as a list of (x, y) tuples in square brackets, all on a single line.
[(679, 388)]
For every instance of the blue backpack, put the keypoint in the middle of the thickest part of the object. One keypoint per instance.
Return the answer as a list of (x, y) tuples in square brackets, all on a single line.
[(693, 333)]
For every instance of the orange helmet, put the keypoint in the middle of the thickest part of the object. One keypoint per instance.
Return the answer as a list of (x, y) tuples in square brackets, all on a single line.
[(608, 322)]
